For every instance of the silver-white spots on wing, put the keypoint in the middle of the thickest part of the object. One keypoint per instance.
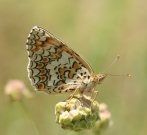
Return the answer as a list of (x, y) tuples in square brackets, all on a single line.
[(53, 66)]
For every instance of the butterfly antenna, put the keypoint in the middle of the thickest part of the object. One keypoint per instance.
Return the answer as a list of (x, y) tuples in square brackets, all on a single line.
[(110, 66), (125, 75), (113, 62)]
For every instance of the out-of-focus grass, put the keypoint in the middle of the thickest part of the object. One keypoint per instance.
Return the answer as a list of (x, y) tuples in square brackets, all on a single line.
[(99, 30)]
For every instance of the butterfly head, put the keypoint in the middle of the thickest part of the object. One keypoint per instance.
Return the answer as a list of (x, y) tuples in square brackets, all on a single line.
[(99, 77)]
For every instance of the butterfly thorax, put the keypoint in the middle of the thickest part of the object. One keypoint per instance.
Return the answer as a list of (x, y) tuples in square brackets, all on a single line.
[(94, 80)]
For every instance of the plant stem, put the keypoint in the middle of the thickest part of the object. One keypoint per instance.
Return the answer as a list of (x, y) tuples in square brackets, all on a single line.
[(29, 117)]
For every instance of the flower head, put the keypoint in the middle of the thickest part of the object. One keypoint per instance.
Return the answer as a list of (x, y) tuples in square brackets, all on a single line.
[(16, 89), (77, 113)]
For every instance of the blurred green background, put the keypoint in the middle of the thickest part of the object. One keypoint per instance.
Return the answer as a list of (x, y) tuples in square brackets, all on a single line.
[(99, 30)]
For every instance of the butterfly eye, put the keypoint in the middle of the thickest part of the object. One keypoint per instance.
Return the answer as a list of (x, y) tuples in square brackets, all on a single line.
[(101, 77)]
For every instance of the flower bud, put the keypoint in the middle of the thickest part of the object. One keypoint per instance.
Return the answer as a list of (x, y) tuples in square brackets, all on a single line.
[(105, 119)]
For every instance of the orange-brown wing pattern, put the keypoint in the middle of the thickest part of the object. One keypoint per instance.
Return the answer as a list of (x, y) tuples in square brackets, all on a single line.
[(54, 67)]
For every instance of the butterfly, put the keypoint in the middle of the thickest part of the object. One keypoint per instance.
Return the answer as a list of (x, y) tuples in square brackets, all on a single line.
[(55, 68)]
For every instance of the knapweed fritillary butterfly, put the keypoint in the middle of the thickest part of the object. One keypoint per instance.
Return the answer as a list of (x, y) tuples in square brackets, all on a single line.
[(55, 68)]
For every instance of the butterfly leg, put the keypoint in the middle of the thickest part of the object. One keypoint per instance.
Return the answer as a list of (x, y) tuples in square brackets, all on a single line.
[(92, 96), (73, 88), (72, 95), (95, 95)]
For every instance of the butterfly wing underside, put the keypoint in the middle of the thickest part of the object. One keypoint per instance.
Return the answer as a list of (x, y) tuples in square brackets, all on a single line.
[(53, 66)]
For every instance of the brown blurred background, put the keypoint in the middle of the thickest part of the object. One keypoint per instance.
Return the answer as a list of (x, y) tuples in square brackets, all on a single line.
[(99, 30)]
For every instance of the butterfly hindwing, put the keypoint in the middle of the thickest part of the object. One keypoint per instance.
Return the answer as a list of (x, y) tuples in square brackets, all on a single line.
[(53, 66)]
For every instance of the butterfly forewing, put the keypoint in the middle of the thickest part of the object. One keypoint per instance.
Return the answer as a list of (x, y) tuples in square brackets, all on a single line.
[(53, 66)]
